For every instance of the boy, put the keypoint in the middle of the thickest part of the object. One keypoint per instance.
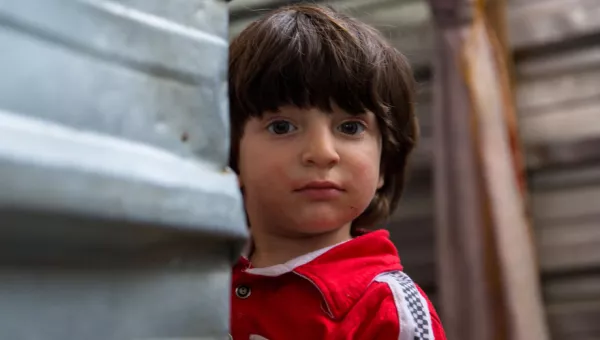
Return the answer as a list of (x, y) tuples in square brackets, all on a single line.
[(322, 124)]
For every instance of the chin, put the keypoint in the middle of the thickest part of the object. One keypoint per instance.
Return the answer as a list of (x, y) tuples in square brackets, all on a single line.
[(319, 223)]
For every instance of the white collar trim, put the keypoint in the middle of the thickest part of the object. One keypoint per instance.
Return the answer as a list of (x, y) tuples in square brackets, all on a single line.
[(291, 265)]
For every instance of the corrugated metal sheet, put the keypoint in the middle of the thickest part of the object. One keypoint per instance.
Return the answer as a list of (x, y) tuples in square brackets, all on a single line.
[(118, 219)]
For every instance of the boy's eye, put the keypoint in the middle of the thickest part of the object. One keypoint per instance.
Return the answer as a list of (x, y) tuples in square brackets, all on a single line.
[(281, 127), (351, 128)]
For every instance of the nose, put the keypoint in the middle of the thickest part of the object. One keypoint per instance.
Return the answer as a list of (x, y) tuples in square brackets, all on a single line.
[(320, 148)]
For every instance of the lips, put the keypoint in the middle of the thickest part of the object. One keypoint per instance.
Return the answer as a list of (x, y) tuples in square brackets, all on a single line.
[(320, 190), (323, 185)]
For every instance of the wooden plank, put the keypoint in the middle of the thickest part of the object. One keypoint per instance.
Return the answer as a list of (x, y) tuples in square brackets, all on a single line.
[(535, 23), (566, 210), (565, 178), (578, 320), (579, 336), (541, 153), (539, 96), (571, 154), (572, 235), (566, 205), (572, 288), (569, 247), (515, 3), (545, 103), (537, 156), (539, 23), (560, 120), (580, 120), (559, 116), (561, 196), (530, 23), (561, 62), (576, 144)]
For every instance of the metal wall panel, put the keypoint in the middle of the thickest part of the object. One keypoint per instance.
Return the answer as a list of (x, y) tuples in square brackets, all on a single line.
[(118, 217)]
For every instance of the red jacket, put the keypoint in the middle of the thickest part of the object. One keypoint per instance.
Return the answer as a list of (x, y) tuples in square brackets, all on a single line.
[(353, 290)]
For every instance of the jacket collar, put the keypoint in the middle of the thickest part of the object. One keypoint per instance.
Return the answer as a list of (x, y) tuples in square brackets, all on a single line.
[(341, 272)]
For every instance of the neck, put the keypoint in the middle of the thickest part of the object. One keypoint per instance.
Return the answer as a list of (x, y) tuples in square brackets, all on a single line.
[(271, 249)]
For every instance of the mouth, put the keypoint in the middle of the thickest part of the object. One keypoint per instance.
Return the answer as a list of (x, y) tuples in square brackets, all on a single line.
[(321, 191), (320, 185)]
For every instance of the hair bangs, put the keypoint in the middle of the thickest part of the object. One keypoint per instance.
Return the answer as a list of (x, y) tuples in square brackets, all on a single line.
[(303, 59)]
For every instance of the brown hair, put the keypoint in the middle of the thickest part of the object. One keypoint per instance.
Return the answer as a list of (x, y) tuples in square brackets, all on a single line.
[(312, 56)]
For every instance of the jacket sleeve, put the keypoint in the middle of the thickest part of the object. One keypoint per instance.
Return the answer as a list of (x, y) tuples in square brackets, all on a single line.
[(405, 313), (436, 323)]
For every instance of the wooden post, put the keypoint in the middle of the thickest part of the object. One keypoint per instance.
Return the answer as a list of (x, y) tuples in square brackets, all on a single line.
[(465, 247), (487, 73), (489, 282)]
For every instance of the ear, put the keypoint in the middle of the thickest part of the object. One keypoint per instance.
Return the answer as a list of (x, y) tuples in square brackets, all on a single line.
[(381, 182)]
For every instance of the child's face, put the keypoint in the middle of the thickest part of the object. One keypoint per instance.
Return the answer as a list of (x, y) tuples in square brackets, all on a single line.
[(309, 172)]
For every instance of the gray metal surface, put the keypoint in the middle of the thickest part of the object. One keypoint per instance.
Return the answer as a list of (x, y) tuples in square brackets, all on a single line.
[(118, 217)]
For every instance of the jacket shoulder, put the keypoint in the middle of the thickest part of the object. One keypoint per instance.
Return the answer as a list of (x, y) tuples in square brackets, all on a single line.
[(416, 315)]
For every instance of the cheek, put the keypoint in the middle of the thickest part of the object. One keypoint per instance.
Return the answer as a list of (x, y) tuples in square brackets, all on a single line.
[(366, 173), (261, 166), (260, 169), (363, 176), (365, 163)]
